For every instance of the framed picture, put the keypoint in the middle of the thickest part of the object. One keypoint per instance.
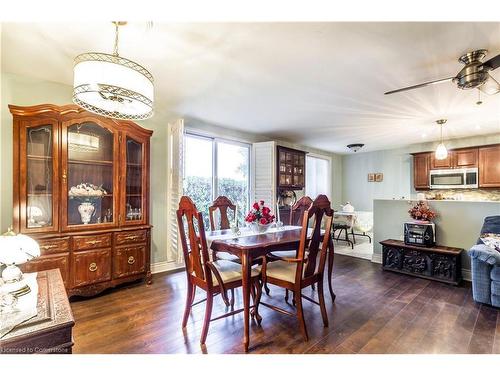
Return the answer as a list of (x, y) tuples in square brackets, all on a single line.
[(379, 177), (371, 177)]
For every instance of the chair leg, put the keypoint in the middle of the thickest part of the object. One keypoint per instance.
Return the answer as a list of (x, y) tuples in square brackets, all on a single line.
[(300, 314), (322, 305), (191, 290), (353, 236), (231, 302), (208, 315), (266, 288)]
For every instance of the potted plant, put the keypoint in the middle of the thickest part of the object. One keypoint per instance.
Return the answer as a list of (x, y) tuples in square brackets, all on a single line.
[(421, 213), (259, 219)]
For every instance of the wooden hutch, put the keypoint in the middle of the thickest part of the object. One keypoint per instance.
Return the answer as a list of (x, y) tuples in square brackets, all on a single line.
[(81, 189)]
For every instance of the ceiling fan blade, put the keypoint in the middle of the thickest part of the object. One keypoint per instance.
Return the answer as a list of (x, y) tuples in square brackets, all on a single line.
[(492, 63), (420, 85), (491, 86)]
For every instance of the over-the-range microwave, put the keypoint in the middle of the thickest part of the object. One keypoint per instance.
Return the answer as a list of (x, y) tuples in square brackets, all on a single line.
[(464, 178)]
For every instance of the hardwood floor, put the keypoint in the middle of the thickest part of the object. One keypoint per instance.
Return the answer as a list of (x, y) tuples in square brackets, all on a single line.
[(375, 312)]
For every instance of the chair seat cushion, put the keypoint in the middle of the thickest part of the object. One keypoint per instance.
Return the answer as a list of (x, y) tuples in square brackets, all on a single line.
[(285, 253), (282, 270), (231, 271), (495, 273), (226, 256)]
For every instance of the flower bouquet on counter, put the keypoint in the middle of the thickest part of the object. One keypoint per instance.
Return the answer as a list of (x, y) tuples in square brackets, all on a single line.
[(421, 212), (259, 219)]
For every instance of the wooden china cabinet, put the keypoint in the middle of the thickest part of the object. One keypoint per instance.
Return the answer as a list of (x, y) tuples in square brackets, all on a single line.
[(81, 189)]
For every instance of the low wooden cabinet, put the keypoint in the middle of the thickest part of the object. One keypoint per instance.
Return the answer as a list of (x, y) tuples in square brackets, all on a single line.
[(440, 263), (81, 189)]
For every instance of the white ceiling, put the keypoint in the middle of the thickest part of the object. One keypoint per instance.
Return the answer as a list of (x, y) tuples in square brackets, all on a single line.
[(318, 84)]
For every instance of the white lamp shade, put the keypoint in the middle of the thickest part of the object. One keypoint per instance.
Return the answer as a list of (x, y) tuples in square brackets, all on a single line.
[(441, 152), (113, 86), (18, 249)]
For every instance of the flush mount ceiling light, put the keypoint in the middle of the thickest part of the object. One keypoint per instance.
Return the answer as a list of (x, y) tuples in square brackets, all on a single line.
[(441, 151), (113, 86), (355, 146)]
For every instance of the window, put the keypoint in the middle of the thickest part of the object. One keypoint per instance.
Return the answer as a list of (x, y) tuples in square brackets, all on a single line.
[(317, 176), (216, 167)]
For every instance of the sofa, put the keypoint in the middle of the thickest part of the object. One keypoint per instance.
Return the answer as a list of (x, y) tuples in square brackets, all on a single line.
[(485, 264)]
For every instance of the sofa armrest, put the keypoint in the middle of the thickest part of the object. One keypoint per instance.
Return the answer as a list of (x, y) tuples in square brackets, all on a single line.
[(485, 254)]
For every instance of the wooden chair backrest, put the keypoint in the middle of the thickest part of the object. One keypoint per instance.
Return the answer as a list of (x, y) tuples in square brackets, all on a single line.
[(297, 210), (222, 204), (195, 251), (321, 213)]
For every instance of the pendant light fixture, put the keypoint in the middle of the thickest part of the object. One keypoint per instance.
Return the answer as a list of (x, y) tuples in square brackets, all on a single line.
[(113, 86), (441, 151)]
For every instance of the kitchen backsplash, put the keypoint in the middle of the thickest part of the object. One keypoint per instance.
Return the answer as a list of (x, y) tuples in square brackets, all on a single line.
[(465, 194)]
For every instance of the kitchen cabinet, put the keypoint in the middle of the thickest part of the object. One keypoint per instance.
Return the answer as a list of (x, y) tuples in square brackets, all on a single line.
[(442, 164), (489, 166), (466, 158), (421, 167)]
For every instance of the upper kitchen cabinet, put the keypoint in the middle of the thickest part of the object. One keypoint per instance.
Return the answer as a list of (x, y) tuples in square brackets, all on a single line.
[(421, 167), (461, 158), (466, 158), (489, 166), (442, 164)]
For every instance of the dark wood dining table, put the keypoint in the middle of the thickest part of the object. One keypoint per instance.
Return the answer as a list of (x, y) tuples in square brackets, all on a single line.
[(250, 247)]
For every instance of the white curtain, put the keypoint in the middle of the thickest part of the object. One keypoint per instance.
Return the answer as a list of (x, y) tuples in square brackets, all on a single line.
[(175, 178)]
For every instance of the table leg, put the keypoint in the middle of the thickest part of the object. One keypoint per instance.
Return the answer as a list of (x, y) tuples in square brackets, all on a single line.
[(246, 275), (330, 268)]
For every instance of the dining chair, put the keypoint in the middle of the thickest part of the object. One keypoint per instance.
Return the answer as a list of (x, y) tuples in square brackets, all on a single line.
[(222, 204), (304, 269), (214, 277)]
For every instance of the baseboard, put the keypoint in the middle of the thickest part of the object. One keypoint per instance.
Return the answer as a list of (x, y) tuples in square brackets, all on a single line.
[(164, 267), (377, 258)]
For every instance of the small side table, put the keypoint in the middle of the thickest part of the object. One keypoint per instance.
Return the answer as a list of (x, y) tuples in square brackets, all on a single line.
[(440, 263), (50, 331)]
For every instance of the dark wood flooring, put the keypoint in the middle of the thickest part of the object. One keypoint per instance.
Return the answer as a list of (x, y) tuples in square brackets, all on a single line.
[(375, 312)]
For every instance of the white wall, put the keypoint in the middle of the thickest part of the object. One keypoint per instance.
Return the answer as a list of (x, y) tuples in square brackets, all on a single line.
[(397, 167)]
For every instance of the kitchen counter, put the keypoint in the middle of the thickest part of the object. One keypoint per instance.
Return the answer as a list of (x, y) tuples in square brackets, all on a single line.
[(443, 200)]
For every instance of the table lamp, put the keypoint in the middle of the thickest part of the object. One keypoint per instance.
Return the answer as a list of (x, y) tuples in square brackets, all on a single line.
[(16, 249)]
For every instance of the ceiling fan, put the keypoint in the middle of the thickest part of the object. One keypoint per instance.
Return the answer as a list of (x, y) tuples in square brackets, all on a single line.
[(473, 75)]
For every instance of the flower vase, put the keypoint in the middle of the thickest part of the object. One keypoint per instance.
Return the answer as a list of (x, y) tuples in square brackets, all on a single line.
[(86, 210), (259, 228)]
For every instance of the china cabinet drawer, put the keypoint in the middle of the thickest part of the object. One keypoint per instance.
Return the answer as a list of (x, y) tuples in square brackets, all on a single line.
[(129, 260), (54, 245), (91, 267), (48, 262), (92, 242), (131, 237)]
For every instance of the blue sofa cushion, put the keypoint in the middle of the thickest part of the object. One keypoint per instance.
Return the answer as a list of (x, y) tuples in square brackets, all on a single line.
[(491, 225), (485, 253), (495, 274), (495, 288)]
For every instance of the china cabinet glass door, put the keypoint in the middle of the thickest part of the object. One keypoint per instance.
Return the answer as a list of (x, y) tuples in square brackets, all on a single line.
[(89, 174), (39, 164), (134, 181)]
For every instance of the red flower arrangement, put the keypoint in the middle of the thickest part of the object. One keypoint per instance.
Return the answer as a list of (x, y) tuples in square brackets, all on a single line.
[(260, 214), (421, 211)]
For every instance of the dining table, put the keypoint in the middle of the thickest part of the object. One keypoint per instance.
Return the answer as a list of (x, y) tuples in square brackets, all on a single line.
[(248, 246)]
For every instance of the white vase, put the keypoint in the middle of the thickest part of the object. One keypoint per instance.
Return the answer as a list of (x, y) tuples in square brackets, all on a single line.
[(259, 228), (86, 210)]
